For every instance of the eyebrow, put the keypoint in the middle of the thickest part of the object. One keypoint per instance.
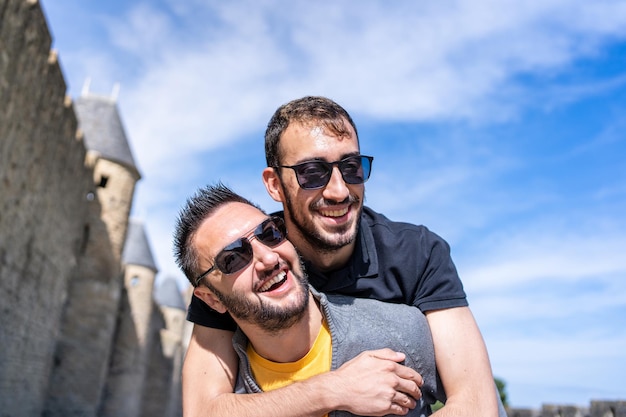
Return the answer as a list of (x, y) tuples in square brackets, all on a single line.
[(315, 159)]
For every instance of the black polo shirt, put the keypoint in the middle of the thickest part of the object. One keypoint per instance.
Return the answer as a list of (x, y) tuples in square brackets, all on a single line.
[(392, 261)]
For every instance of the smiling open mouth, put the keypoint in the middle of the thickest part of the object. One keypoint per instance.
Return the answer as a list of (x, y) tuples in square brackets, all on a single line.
[(333, 213), (274, 283)]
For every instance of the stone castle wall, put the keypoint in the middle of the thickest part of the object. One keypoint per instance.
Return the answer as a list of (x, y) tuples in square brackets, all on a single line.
[(77, 336), (43, 183)]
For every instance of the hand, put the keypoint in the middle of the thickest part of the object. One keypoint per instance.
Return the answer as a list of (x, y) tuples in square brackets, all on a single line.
[(375, 384)]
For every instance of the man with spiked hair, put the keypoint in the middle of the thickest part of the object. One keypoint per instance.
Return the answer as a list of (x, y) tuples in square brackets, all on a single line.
[(240, 261)]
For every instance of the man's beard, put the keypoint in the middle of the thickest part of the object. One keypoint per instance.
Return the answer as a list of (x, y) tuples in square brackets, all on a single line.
[(268, 317), (309, 232)]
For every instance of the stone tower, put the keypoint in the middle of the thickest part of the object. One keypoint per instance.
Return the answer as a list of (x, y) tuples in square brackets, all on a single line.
[(114, 169), (169, 350), (131, 353), (90, 318)]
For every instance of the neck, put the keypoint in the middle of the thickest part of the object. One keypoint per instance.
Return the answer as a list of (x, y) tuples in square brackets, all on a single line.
[(325, 260), (287, 345)]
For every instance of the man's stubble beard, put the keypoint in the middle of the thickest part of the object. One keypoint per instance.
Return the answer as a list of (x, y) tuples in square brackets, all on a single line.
[(315, 239), (267, 317)]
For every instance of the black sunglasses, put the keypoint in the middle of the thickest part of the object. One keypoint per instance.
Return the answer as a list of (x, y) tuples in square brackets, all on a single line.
[(311, 175), (234, 257)]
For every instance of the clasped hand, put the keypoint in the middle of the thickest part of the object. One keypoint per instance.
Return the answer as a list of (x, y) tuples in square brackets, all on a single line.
[(374, 383)]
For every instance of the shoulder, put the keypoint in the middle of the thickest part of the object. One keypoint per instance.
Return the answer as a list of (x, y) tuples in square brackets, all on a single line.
[(373, 324), (385, 230), (369, 308), (378, 221)]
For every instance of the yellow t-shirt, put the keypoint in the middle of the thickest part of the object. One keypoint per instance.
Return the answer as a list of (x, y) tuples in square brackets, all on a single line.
[(272, 375)]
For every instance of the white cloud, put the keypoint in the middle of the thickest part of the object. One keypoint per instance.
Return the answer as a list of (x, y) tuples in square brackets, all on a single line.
[(409, 61), (203, 74), (539, 254)]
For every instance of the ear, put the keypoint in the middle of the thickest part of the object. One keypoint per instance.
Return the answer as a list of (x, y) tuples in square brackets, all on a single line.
[(210, 299), (273, 184)]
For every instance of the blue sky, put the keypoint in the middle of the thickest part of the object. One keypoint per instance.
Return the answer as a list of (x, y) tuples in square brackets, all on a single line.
[(498, 124)]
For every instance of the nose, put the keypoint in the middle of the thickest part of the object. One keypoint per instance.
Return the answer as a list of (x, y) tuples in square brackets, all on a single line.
[(264, 257), (336, 189)]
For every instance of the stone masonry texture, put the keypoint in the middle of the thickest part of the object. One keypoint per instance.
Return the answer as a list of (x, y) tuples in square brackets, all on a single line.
[(78, 337)]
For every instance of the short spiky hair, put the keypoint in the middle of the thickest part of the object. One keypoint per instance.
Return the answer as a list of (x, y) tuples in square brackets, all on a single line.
[(198, 208), (309, 109)]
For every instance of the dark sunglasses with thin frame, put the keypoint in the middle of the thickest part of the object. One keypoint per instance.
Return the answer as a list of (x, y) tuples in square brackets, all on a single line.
[(312, 175), (236, 256)]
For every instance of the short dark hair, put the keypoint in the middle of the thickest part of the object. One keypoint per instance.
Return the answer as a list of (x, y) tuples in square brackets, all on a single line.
[(309, 109), (199, 207)]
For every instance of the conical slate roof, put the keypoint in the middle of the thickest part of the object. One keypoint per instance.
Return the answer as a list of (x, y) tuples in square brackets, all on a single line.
[(168, 295), (103, 130), (137, 248)]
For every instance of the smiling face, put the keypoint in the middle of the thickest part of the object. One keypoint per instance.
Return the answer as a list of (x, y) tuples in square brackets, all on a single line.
[(270, 292), (324, 219)]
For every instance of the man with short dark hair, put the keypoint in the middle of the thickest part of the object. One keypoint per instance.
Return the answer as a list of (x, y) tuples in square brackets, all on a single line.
[(286, 331), (315, 168)]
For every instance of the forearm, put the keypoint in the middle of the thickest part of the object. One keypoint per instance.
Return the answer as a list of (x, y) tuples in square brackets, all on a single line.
[(463, 365), (303, 399), (450, 409), (471, 394), (209, 374), (372, 384), (473, 405), (482, 406)]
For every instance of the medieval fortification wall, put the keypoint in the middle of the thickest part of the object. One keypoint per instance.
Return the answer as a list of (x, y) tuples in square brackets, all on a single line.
[(80, 333)]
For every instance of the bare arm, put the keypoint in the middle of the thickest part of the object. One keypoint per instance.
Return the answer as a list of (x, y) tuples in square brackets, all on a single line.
[(463, 364), (371, 384)]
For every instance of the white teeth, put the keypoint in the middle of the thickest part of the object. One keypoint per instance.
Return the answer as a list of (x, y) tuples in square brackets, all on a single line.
[(281, 276), (334, 213)]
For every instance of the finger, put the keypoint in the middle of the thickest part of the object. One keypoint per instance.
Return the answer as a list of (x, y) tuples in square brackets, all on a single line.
[(388, 354), (410, 374), (409, 388), (398, 410), (404, 400)]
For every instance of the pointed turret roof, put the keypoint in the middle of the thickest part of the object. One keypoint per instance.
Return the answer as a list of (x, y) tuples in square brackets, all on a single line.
[(168, 295), (137, 248), (103, 130)]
